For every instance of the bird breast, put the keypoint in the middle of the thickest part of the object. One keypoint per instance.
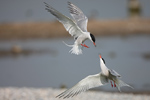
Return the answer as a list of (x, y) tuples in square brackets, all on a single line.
[(81, 39), (106, 72)]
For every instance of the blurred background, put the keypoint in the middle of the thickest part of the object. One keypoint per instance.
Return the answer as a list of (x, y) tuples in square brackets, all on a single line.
[(32, 53)]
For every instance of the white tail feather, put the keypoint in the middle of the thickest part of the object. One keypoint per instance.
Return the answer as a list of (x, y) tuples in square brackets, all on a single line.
[(67, 44), (76, 49), (120, 83)]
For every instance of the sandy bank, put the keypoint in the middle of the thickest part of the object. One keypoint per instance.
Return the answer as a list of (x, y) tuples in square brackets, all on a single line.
[(55, 29)]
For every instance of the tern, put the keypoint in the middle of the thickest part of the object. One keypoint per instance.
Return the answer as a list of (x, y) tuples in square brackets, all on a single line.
[(76, 27), (105, 76)]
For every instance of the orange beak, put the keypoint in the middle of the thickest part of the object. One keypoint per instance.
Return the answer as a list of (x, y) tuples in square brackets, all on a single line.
[(94, 44), (100, 56)]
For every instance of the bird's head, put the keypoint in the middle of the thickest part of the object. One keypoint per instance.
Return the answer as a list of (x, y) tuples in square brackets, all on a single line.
[(92, 38), (102, 59), (104, 69)]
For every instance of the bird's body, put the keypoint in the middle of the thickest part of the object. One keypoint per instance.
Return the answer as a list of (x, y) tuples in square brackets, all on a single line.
[(96, 80), (76, 27), (108, 73)]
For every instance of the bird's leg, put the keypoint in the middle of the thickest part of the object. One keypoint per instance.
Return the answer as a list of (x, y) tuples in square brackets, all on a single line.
[(85, 45), (114, 84), (82, 45), (111, 84)]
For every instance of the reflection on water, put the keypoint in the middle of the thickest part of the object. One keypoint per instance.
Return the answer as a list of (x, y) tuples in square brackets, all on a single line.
[(18, 51), (128, 56)]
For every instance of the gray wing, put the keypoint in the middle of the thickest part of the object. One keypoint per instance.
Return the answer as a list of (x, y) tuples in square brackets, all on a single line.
[(90, 81), (113, 72), (70, 26), (78, 16)]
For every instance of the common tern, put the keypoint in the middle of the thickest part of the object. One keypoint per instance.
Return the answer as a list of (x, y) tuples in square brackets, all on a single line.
[(105, 76), (76, 27)]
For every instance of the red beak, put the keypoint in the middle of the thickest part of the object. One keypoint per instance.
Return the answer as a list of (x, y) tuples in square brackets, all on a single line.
[(94, 44), (100, 56)]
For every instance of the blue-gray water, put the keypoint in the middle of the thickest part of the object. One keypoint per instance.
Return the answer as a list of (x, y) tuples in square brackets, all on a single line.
[(34, 10), (129, 56)]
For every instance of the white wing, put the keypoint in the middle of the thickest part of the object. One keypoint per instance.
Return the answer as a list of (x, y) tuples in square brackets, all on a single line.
[(90, 81), (78, 16), (70, 26)]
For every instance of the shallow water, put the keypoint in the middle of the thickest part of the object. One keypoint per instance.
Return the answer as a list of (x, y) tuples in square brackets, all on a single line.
[(129, 56)]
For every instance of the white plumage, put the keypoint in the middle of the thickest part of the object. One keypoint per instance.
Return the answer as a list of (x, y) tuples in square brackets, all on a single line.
[(76, 27), (93, 81)]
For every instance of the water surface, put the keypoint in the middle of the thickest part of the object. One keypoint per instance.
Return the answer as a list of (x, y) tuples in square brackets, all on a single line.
[(129, 56)]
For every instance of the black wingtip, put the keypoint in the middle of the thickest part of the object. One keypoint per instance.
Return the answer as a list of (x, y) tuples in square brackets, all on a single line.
[(68, 2), (58, 96), (45, 3)]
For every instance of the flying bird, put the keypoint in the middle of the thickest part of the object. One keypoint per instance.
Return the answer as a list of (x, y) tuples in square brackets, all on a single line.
[(105, 76), (76, 27)]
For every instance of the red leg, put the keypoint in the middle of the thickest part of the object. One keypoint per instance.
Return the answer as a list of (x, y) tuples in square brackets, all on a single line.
[(114, 84), (82, 45), (111, 84), (85, 45)]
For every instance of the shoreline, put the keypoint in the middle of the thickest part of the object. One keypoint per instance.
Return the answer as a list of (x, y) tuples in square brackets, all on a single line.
[(138, 92), (54, 29)]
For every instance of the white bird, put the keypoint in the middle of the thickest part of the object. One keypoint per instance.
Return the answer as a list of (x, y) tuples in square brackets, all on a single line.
[(76, 27), (96, 80)]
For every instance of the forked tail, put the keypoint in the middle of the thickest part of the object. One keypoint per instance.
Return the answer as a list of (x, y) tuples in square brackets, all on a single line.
[(76, 49), (67, 44), (120, 83)]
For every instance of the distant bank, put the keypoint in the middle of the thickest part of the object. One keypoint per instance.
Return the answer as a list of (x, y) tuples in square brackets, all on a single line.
[(55, 29)]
